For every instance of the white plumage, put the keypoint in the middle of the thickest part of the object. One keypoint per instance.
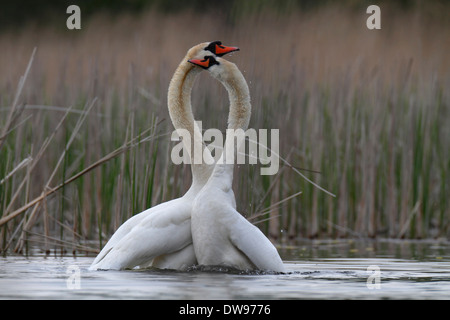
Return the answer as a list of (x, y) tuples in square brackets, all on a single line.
[(221, 235), (202, 226), (161, 236)]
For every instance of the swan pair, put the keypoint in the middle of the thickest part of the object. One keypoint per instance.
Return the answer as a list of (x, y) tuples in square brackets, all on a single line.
[(203, 226)]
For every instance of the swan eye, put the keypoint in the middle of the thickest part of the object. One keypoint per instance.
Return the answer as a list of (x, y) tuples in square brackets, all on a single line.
[(212, 61), (218, 49), (207, 62), (212, 46)]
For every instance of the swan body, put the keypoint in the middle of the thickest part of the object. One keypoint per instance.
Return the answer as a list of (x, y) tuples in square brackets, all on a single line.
[(221, 235), (148, 237), (161, 236)]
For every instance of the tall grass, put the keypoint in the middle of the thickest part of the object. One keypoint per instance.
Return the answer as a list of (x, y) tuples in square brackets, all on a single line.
[(86, 136)]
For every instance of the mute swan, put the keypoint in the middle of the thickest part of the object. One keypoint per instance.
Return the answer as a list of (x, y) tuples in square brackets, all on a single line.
[(161, 236), (220, 234)]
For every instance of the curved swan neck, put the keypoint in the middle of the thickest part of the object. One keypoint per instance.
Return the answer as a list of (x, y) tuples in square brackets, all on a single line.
[(180, 111), (239, 118), (240, 106), (179, 96)]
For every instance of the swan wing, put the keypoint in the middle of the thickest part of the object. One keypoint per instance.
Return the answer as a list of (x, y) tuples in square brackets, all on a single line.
[(126, 227), (164, 231), (179, 260), (254, 244)]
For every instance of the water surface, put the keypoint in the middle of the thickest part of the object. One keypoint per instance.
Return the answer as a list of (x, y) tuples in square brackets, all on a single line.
[(316, 270)]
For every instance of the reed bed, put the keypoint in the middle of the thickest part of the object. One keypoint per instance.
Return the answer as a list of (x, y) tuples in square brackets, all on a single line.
[(85, 133)]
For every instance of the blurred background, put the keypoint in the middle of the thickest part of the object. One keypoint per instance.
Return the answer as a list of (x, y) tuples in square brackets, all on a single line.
[(363, 113)]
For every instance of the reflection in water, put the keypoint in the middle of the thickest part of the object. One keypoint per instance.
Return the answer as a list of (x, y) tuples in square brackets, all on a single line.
[(316, 269), (348, 248)]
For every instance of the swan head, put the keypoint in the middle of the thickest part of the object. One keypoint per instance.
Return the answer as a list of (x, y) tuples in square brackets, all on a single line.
[(219, 68), (214, 48), (219, 50)]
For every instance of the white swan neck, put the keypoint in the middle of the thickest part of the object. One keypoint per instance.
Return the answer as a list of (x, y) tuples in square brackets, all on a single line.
[(180, 111), (238, 118)]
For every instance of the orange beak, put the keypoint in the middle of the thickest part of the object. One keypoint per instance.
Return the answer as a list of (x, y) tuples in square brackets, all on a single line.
[(201, 63), (222, 50)]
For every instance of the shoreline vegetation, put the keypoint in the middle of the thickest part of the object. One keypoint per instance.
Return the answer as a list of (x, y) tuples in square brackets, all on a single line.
[(85, 132)]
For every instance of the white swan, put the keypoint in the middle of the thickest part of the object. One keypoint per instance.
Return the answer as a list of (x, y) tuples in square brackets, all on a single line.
[(221, 235), (161, 236)]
